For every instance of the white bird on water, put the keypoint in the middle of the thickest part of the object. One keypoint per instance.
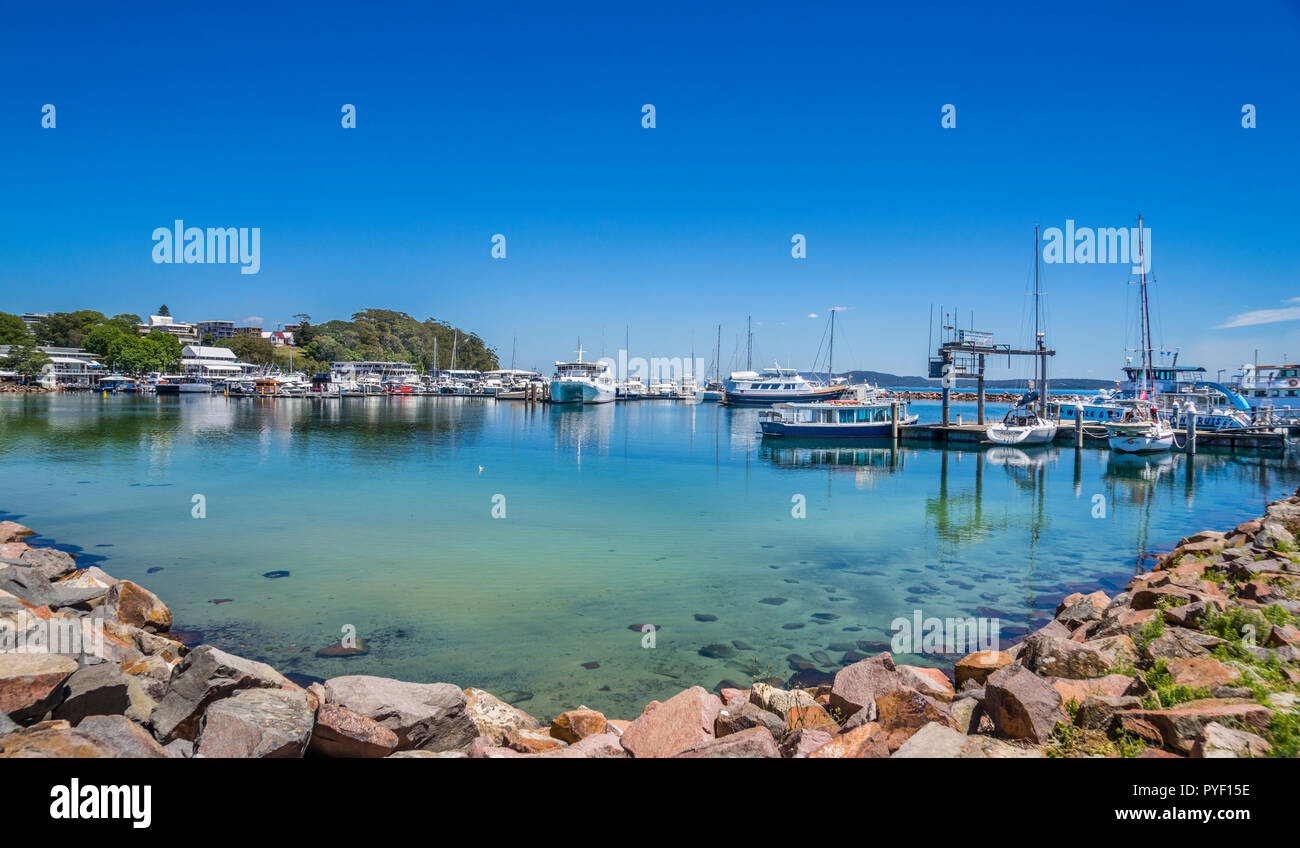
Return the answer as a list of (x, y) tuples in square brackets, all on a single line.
[(480, 469)]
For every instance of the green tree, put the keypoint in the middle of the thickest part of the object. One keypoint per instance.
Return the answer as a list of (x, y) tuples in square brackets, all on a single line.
[(252, 349), (26, 360), (101, 338), (162, 350), (163, 310), (13, 329), (67, 329)]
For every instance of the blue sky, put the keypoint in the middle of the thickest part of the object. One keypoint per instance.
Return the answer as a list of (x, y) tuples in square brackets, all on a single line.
[(771, 120)]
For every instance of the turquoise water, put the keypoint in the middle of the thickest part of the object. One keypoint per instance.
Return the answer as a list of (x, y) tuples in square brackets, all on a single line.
[(381, 510)]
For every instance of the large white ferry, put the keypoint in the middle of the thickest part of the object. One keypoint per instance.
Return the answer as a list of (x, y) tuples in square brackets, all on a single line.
[(582, 382)]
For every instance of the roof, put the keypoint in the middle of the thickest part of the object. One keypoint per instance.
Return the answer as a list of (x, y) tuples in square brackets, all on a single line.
[(202, 352)]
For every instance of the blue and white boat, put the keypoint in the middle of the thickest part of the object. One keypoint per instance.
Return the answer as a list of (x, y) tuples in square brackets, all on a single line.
[(834, 419), (1179, 390), (582, 382)]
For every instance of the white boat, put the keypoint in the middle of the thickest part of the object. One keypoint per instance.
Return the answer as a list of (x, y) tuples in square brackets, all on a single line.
[(631, 389), (1142, 429), (175, 385), (784, 385), (1022, 426), (582, 382), (834, 419)]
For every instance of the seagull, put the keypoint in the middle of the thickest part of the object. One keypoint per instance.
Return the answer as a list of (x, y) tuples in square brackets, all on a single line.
[(480, 469)]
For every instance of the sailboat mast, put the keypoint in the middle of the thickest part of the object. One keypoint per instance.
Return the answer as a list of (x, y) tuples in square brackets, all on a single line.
[(749, 343), (1145, 311), (830, 354), (1038, 341), (717, 357)]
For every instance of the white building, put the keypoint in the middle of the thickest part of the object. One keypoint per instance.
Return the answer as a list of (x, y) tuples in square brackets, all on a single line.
[(213, 363), (184, 333), (69, 368)]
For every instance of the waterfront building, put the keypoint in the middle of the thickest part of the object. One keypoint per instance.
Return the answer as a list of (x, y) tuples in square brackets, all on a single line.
[(184, 332), (70, 368), (218, 330), (213, 363)]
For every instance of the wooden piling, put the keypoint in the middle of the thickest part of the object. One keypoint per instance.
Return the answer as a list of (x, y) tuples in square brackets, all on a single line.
[(1078, 427)]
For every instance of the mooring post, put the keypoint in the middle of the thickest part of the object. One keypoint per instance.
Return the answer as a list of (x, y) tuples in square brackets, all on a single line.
[(1078, 426), (893, 416), (1191, 432)]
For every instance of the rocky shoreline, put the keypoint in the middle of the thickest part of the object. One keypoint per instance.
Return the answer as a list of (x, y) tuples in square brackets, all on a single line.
[(1199, 657)]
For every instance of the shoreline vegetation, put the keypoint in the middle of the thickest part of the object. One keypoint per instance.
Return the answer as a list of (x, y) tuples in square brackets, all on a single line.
[(1198, 657)]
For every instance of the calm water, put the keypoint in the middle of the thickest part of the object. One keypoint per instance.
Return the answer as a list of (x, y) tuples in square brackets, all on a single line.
[(381, 510)]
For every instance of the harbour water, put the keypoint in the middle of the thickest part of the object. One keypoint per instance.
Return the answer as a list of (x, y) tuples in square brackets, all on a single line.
[(381, 510)]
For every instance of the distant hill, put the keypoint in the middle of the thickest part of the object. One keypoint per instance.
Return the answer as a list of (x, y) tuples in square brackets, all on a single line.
[(881, 378)]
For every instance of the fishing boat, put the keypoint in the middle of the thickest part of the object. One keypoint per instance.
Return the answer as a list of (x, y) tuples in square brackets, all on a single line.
[(582, 382), (834, 419), (1022, 426), (1142, 428)]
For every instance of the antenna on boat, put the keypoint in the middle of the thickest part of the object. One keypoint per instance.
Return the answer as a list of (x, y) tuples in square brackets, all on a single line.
[(579, 348)]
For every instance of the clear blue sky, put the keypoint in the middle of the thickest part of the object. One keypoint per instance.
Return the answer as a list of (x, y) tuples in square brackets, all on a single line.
[(771, 120)]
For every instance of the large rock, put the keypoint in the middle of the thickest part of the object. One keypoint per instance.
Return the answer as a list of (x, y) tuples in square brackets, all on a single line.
[(94, 690), (812, 717), (754, 743), (903, 712), (736, 717), (1201, 671), (978, 667), (1180, 643), (49, 562), (573, 725), (35, 588), (205, 675), (30, 684), (340, 732), (430, 716), (867, 741), (1022, 705), (778, 701), (1098, 712), (257, 723), (139, 607), (12, 531), (682, 722), (933, 741), (53, 740), (929, 681), (1218, 742), (857, 686), (801, 743), (494, 718), (1058, 657), (125, 737), (598, 746), (1180, 727)]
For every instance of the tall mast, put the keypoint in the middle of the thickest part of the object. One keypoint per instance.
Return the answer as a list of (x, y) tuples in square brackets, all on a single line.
[(1145, 331), (1038, 341), (749, 343), (717, 357), (830, 354)]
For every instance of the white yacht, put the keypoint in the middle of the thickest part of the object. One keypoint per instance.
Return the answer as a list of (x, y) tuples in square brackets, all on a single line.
[(1022, 426), (582, 382), (1142, 429)]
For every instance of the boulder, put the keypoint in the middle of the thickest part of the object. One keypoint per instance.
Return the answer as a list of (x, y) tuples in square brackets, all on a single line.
[(53, 740), (1098, 712), (1201, 671), (734, 718), (929, 681), (257, 723), (431, 716), (682, 722), (903, 712), (1022, 705), (1179, 642), (94, 690), (153, 673), (867, 741), (778, 701), (340, 732), (532, 741), (966, 713), (573, 725), (857, 686), (1218, 742), (49, 562), (802, 742), (598, 746), (139, 607), (754, 743), (12, 531), (125, 737), (1178, 728), (205, 675), (494, 718), (933, 741), (31, 684), (812, 716), (978, 666), (1059, 657), (1112, 685)]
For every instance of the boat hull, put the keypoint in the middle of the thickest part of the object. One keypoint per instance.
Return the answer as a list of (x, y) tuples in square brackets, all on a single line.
[(1134, 440), (748, 398), (1002, 435), (575, 391)]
